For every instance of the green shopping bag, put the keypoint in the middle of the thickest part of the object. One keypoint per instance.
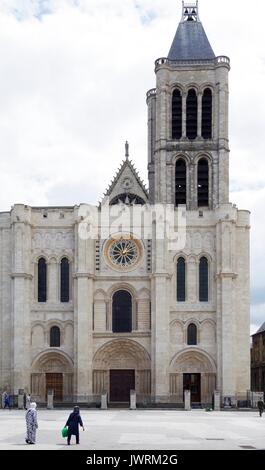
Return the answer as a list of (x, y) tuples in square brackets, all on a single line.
[(64, 432)]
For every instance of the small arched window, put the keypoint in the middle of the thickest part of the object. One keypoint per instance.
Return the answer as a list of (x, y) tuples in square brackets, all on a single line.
[(192, 115), (122, 312), (181, 280), (207, 114), (42, 280), (203, 183), (192, 335), (181, 182), (65, 280), (204, 280), (55, 337), (176, 115)]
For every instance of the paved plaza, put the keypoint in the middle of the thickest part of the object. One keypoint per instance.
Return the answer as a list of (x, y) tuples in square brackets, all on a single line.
[(142, 430)]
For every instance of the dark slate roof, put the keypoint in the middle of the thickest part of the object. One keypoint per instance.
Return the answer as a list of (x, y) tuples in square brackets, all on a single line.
[(191, 43), (262, 328)]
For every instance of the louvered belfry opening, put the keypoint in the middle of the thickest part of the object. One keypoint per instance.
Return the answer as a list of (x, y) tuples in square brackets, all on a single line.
[(203, 183), (181, 280), (207, 114), (42, 280), (122, 312), (176, 115), (181, 182), (192, 115), (65, 280)]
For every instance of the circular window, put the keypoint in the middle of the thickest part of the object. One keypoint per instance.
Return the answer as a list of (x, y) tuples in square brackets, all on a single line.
[(123, 253)]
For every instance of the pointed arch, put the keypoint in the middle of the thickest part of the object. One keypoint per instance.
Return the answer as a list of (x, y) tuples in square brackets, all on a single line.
[(122, 312), (65, 280), (192, 114), (181, 182), (207, 112), (203, 182), (42, 280), (176, 114), (204, 279), (55, 337), (192, 335), (181, 280)]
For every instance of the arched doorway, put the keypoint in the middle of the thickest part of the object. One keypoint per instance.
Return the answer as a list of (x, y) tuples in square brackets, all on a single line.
[(192, 370), (120, 366), (52, 370)]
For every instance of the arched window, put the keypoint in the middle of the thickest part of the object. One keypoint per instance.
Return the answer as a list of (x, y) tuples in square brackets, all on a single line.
[(176, 115), (122, 312), (207, 114), (181, 182), (192, 335), (192, 115), (42, 280), (55, 337), (181, 280), (65, 280), (203, 183), (204, 280)]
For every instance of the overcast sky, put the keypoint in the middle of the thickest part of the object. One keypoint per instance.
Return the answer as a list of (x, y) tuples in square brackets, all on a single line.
[(74, 74)]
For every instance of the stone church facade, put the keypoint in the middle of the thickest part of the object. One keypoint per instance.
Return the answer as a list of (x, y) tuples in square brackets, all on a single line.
[(87, 316)]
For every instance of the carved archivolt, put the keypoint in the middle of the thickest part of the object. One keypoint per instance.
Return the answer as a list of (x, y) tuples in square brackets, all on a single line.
[(52, 361), (192, 361), (122, 354)]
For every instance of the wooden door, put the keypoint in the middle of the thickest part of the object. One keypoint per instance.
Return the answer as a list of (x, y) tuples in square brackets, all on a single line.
[(121, 382), (55, 382), (192, 382)]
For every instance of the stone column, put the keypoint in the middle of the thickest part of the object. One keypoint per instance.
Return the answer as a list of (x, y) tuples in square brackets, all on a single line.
[(132, 400), (187, 398), (226, 315), (84, 316), (50, 400), (52, 281), (199, 130), (184, 115), (160, 324), (20, 402), (21, 292), (104, 401), (217, 401)]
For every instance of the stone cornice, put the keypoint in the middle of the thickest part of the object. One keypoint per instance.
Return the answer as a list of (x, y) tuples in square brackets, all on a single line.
[(127, 279), (21, 275), (84, 276), (161, 275), (134, 334), (226, 275)]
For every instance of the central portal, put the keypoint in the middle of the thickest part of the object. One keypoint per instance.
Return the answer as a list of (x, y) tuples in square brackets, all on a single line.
[(121, 383), (192, 382)]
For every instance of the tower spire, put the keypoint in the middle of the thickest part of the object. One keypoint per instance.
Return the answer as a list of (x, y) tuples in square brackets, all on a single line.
[(190, 11), (127, 150)]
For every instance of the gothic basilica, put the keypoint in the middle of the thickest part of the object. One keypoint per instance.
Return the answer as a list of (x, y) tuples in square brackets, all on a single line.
[(87, 316)]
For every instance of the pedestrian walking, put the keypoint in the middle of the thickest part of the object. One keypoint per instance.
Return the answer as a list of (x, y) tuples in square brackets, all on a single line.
[(7, 401), (73, 423), (32, 424), (261, 407)]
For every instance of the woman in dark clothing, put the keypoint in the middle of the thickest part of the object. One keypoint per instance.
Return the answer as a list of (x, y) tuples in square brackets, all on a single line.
[(73, 423)]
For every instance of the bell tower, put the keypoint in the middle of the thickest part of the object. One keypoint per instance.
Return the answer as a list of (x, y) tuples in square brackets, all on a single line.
[(188, 144)]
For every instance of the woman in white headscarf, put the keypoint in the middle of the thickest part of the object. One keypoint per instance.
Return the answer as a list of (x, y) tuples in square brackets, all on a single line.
[(32, 423)]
